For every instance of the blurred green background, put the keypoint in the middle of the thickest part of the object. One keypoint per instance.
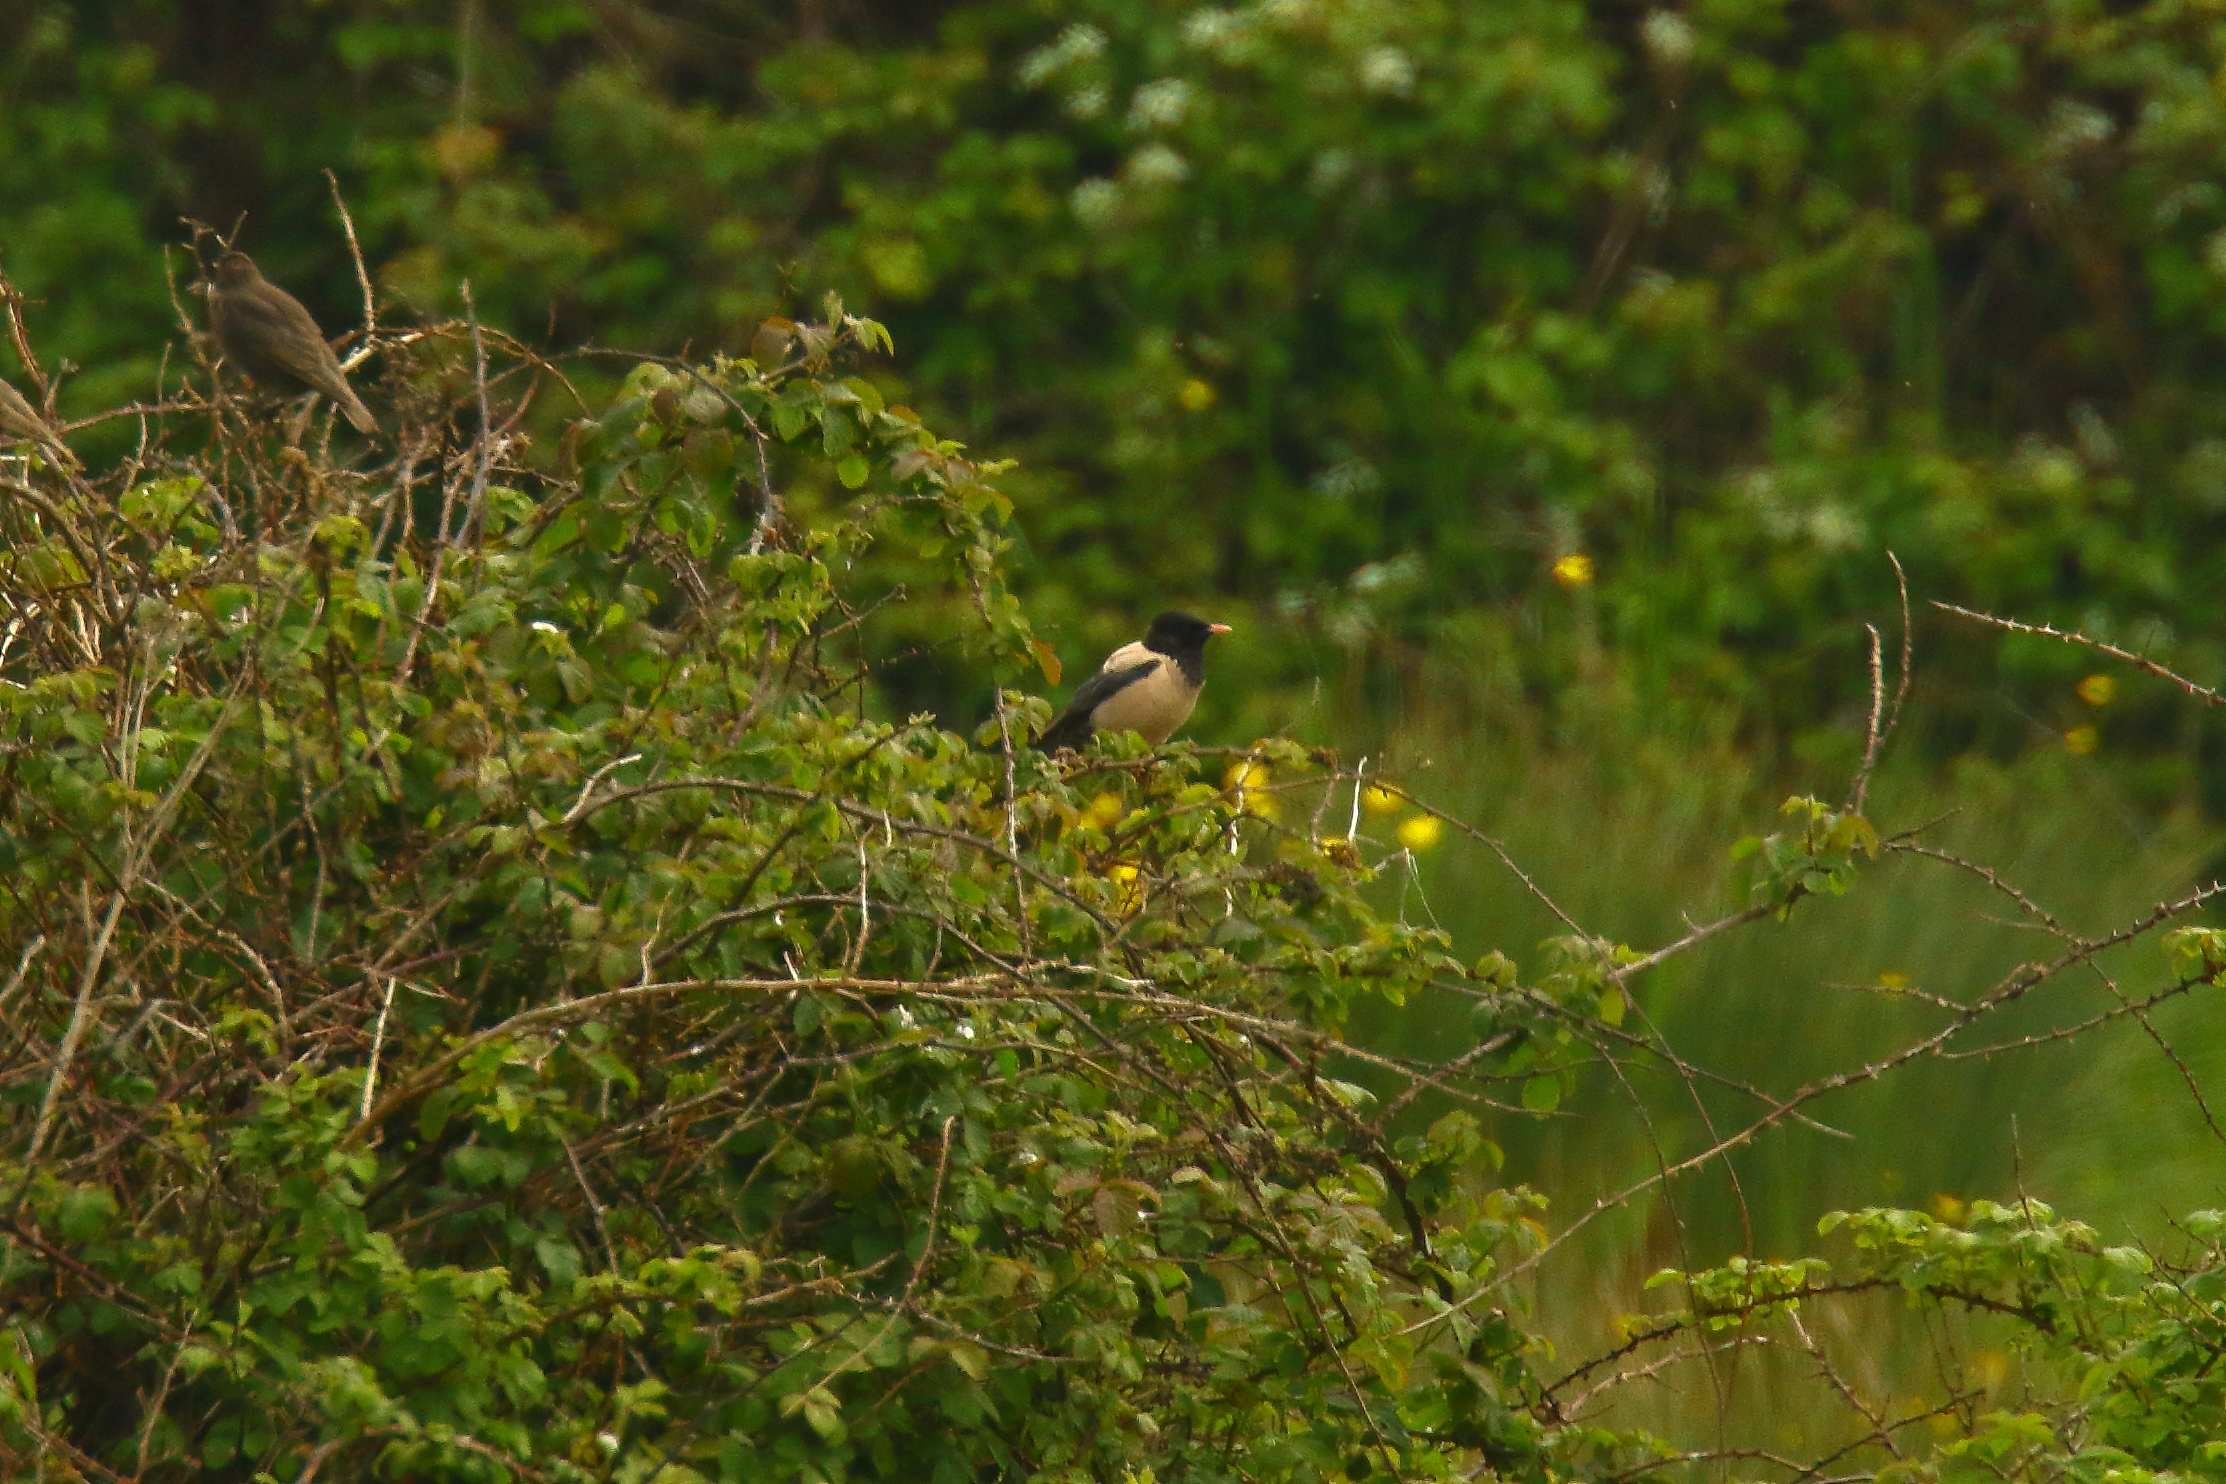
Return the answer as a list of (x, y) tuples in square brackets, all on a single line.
[(1539, 385)]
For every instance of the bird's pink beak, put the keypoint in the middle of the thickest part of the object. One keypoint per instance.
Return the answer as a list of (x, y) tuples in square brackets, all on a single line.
[(1217, 628)]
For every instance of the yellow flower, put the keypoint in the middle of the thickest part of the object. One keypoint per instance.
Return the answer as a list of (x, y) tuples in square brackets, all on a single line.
[(1573, 570), (1248, 780), (1246, 773), (1381, 800), (1197, 396), (2082, 741), (1128, 891), (2098, 690), (1421, 832)]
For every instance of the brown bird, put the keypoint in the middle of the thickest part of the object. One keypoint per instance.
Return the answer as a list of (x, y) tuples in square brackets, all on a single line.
[(19, 419), (265, 332)]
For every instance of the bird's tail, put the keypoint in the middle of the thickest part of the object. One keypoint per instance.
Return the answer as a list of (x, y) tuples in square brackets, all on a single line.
[(351, 406), (1071, 730)]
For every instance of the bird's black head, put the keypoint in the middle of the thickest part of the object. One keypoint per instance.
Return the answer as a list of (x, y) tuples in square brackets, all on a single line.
[(1182, 637)]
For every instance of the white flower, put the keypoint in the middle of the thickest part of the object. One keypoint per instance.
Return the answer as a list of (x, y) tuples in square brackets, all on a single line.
[(1208, 29), (1386, 69), (1349, 476), (1095, 201), (1038, 67), (1331, 167), (2198, 195), (1669, 36), (2073, 125), (1400, 571), (1227, 36), (1087, 103), (1157, 165), (1159, 105), (1835, 529), (1079, 43)]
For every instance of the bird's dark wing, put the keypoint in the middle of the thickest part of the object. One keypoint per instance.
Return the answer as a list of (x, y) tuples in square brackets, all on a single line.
[(286, 335), (1073, 728), (277, 341)]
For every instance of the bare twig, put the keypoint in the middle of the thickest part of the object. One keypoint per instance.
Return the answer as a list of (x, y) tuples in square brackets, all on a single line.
[(22, 966), (363, 276), (378, 1040), (473, 508), (602, 1226), (1883, 717)]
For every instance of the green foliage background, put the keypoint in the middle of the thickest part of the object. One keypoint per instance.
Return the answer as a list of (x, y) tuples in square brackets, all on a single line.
[(1354, 314), (1346, 321)]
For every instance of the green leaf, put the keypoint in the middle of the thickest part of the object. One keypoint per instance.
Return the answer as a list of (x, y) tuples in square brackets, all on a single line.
[(822, 1412), (84, 1212), (560, 1259)]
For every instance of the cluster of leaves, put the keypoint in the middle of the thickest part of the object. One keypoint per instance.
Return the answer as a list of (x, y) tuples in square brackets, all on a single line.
[(488, 994), (2118, 1343), (1819, 857), (1374, 312), (2064, 1358)]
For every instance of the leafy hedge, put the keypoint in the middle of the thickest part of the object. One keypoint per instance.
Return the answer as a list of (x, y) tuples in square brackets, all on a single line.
[(490, 994), (485, 1001)]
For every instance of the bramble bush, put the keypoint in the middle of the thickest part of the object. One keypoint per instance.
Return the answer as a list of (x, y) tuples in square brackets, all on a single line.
[(535, 1020), (491, 993)]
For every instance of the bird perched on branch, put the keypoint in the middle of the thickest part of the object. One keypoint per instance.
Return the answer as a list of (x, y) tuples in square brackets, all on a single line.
[(19, 419), (1148, 686), (264, 331)]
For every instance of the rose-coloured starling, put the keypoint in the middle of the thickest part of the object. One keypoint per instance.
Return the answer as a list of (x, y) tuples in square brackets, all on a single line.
[(19, 419), (1147, 686), (264, 331)]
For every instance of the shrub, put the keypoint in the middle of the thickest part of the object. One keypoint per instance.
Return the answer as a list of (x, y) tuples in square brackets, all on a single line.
[(488, 997), (490, 994)]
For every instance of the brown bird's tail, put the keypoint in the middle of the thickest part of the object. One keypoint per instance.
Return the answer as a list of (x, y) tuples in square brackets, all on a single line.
[(19, 419), (352, 407)]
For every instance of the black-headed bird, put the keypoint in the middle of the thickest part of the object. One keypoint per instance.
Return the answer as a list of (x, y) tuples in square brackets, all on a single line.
[(1149, 686), (264, 331)]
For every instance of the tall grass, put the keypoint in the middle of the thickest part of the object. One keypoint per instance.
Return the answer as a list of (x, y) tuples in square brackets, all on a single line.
[(1628, 826)]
